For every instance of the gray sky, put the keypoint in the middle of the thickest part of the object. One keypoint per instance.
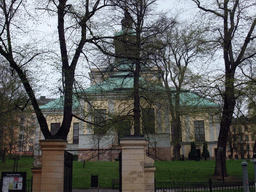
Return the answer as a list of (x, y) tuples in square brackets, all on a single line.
[(184, 8)]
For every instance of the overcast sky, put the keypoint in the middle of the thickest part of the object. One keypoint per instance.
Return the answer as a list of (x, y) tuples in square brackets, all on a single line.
[(185, 8)]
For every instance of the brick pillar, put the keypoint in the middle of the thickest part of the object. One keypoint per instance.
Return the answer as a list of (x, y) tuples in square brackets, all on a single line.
[(137, 168), (52, 176), (36, 179)]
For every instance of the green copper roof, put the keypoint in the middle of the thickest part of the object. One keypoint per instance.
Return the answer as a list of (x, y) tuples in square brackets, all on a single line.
[(123, 82), (191, 99), (59, 103)]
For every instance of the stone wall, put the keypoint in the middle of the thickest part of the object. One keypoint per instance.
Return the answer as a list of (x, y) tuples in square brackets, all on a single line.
[(137, 169)]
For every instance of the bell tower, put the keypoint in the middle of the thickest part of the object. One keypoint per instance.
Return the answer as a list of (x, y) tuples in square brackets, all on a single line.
[(125, 39)]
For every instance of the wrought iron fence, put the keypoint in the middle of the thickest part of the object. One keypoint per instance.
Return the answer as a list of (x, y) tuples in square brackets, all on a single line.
[(202, 186), (29, 184)]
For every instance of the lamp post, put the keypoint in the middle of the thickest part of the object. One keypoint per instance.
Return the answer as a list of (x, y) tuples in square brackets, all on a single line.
[(221, 160)]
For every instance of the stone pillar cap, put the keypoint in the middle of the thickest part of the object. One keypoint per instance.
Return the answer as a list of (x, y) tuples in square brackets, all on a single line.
[(53, 144), (133, 141)]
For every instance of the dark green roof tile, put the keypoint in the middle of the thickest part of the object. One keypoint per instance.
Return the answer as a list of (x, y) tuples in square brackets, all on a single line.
[(123, 82), (191, 99), (59, 103)]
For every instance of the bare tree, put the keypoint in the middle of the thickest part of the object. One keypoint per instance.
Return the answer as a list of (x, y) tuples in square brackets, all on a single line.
[(178, 49), (235, 33), (69, 55)]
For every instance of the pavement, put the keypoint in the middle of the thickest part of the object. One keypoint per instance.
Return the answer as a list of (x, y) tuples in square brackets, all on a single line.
[(95, 190)]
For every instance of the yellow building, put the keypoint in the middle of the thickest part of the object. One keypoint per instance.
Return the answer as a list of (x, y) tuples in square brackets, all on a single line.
[(241, 138)]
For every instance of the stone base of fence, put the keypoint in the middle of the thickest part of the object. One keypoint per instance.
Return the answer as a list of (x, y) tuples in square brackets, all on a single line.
[(50, 177), (137, 169), (36, 186)]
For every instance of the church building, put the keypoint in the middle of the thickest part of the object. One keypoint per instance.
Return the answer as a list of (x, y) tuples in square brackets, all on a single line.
[(103, 112)]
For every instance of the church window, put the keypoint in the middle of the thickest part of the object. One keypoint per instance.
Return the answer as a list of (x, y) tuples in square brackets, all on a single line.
[(100, 121), (199, 131)]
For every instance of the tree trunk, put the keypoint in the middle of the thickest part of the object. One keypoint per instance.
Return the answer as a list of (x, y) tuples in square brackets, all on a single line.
[(177, 125), (67, 75), (176, 153), (228, 97), (137, 112), (136, 109), (176, 138), (227, 113)]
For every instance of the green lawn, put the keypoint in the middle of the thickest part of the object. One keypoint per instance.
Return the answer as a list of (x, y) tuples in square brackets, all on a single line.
[(24, 165), (165, 170), (104, 169), (196, 170)]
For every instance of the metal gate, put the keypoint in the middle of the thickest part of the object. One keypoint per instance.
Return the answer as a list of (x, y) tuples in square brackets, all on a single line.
[(68, 171)]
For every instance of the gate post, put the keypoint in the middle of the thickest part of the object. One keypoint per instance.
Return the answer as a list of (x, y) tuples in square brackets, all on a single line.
[(137, 168), (36, 183), (52, 176)]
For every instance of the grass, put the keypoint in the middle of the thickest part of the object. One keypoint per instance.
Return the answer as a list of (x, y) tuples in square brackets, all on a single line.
[(184, 170), (197, 171), (104, 169), (24, 165)]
